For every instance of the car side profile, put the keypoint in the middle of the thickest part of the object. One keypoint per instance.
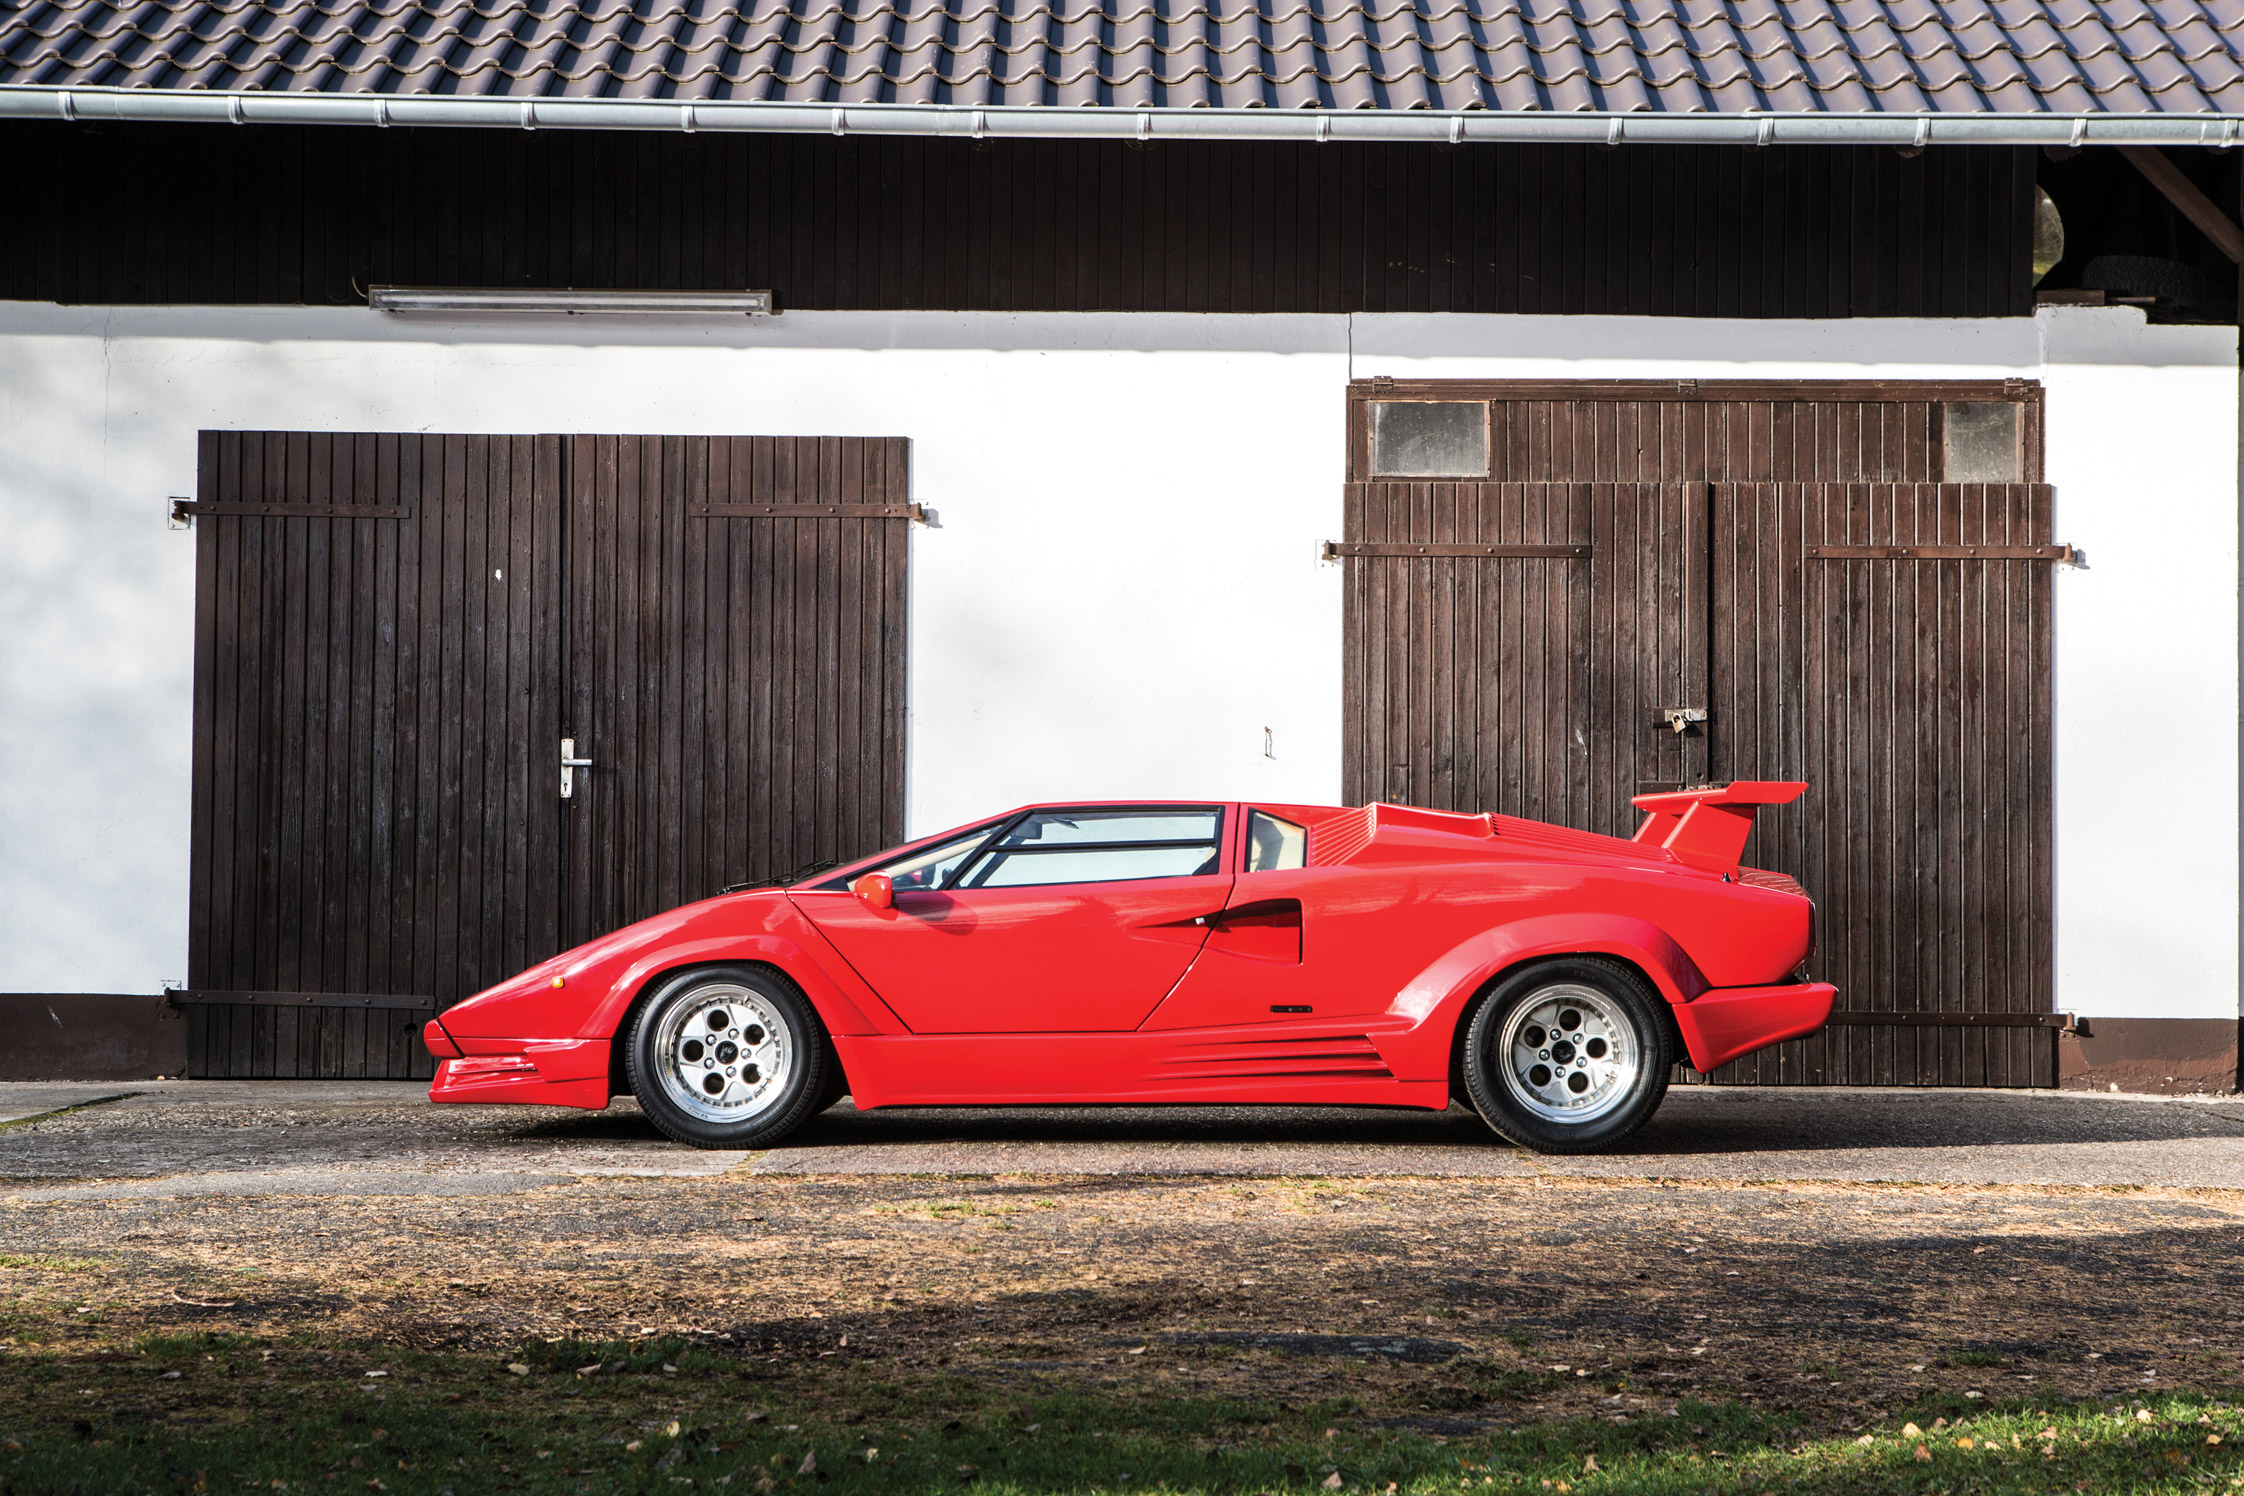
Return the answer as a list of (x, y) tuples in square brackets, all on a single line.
[(1183, 952)]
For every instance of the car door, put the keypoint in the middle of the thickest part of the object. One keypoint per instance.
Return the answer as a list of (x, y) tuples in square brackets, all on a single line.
[(1303, 944), (1056, 921)]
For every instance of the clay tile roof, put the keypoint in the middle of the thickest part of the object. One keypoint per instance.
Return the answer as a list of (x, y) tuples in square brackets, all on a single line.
[(1655, 56)]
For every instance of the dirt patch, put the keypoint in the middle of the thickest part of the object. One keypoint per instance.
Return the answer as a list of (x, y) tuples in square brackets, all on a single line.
[(1507, 1299)]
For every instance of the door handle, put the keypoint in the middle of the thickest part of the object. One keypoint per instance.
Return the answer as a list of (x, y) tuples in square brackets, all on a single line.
[(570, 763)]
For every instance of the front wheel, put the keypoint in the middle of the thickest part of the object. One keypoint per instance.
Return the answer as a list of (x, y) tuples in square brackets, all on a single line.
[(1568, 1056), (727, 1057)]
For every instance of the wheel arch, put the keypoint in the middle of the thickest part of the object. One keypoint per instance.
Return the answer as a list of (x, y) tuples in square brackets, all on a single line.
[(660, 976), (1479, 997)]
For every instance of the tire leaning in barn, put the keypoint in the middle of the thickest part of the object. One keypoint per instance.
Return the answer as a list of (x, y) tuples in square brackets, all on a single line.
[(727, 1057), (1568, 1056)]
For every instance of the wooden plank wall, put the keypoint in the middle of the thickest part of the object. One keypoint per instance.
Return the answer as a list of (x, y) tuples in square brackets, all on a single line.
[(1915, 697), (315, 214), (1519, 684), (739, 680), (370, 701), (379, 705)]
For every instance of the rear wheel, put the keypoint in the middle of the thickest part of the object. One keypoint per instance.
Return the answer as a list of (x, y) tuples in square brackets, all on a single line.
[(1568, 1056), (727, 1057)]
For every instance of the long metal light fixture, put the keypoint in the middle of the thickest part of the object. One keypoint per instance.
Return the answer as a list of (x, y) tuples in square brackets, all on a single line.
[(475, 300)]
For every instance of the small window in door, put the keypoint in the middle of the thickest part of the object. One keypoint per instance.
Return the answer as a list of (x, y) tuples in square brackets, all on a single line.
[(1273, 845), (1101, 846), (1979, 441), (1429, 439)]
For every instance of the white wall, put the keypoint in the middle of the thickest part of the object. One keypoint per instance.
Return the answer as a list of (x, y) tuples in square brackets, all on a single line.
[(1122, 592)]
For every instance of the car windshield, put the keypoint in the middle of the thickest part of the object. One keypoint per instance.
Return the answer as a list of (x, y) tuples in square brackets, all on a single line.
[(926, 865)]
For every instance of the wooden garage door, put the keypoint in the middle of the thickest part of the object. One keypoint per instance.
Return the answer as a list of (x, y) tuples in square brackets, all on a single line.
[(394, 634), (1834, 632)]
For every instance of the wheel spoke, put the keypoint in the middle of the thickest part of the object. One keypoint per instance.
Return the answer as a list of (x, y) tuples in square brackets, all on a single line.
[(723, 1053), (1568, 1053)]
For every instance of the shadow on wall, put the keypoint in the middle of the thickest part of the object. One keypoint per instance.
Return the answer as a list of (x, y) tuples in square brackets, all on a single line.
[(90, 1036)]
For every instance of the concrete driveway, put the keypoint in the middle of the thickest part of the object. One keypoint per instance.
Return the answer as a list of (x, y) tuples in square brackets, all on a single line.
[(180, 1138)]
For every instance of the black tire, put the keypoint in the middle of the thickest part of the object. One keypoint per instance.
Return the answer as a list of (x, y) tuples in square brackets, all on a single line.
[(768, 1060), (1593, 1031)]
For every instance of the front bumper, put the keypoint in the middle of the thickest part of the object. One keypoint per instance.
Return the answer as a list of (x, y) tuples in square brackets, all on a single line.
[(536, 1072), (1720, 1025)]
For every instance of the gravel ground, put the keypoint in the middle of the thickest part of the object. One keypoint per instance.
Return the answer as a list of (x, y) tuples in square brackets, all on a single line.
[(1202, 1250)]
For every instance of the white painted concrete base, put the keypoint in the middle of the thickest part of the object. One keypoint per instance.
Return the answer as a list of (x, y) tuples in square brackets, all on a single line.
[(1122, 593)]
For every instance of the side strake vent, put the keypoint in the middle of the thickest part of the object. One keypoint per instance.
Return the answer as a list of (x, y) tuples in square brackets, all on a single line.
[(1351, 1056)]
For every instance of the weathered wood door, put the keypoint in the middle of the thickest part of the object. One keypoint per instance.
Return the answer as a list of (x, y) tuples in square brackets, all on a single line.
[(1507, 642), (1910, 687), (1801, 629), (394, 633), (735, 663)]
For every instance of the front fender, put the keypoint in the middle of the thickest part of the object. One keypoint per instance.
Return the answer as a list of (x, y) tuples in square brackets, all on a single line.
[(844, 1011), (1433, 1000)]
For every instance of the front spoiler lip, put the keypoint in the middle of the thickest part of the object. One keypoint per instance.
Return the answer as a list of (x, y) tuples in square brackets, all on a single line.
[(537, 1072)]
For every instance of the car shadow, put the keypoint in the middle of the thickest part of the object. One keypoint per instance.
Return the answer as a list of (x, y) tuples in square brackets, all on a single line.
[(1695, 1120)]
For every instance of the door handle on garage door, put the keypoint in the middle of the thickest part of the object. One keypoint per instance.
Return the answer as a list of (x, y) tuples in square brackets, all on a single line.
[(570, 763)]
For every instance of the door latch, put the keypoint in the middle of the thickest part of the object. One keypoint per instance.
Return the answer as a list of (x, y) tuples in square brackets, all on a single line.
[(1678, 719), (570, 763)]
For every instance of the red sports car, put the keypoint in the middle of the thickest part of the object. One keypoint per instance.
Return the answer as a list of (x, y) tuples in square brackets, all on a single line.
[(1183, 952)]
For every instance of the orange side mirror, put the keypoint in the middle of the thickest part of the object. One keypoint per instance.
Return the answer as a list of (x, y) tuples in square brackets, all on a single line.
[(875, 891)]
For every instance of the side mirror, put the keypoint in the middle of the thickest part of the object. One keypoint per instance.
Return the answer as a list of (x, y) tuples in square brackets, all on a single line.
[(875, 891)]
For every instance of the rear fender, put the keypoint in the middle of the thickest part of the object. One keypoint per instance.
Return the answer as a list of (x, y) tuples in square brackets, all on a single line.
[(1435, 1000)]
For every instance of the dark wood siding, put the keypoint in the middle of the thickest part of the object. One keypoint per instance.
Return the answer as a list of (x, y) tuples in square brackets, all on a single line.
[(372, 719), (738, 681), (216, 214), (1913, 696), (380, 699)]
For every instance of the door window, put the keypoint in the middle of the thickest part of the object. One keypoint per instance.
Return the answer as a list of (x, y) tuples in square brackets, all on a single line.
[(1101, 846)]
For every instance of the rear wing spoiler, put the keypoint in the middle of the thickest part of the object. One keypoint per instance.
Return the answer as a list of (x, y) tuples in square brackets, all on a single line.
[(1706, 829)]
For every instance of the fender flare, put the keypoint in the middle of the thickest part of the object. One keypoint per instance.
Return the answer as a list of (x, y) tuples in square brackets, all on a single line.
[(841, 1012), (1441, 990)]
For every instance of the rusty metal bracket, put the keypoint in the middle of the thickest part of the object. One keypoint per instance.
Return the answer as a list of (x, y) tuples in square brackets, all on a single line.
[(183, 510), (1335, 549), (394, 1000), (2064, 555), (2070, 1023), (808, 511)]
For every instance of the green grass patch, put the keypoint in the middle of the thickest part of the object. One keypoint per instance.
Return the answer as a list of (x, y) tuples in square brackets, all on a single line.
[(589, 1418), (49, 1263)]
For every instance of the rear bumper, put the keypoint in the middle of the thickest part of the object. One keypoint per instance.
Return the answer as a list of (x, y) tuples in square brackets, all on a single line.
[(536, 1072), (1722, 1024)]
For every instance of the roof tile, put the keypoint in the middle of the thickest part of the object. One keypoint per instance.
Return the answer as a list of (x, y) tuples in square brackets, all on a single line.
[(1659, 56)]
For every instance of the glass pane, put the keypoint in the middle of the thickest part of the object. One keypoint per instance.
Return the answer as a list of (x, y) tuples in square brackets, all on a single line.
[(928, 869), (1026, 869), (1979, 441), (1429, 439), (1069, 828), (1273, 844)]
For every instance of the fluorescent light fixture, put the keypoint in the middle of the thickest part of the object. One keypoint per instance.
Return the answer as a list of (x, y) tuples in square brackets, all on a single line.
[(473, 301)]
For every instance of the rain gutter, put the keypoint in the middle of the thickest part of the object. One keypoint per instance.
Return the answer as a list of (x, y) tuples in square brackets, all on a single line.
[(1041, 122)]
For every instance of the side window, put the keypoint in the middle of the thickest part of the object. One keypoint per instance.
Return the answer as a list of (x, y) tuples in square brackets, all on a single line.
[(1273, 845), (1101, 846)]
